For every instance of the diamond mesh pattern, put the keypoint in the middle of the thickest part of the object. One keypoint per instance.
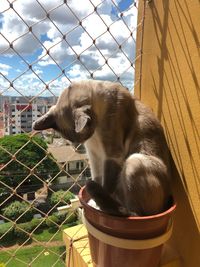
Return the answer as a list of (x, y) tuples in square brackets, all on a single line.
[(44, 46)]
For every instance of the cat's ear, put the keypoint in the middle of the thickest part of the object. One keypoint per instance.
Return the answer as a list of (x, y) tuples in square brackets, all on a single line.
[(81, 117), (45, 122)]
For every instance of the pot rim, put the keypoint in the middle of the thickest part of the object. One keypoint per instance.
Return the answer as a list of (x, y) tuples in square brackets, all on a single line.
[(136, 218)]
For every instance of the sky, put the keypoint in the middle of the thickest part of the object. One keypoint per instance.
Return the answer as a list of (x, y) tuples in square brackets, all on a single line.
[(46, 44)]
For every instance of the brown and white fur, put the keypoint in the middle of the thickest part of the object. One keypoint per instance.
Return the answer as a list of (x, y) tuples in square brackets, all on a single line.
[(127, 150)]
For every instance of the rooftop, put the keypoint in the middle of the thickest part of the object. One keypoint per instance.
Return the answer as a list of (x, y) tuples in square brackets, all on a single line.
[(66, 153)]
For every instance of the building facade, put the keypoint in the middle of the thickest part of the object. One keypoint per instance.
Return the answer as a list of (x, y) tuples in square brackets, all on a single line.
[(19, 113), (74, 163), (168, 75), (1, 125)]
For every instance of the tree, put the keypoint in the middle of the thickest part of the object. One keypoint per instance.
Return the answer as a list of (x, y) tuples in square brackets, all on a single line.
[(19, 210), (61, 197), (25, 158)]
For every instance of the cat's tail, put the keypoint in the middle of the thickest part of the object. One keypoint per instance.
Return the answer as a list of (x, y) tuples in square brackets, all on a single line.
[(105, 202)]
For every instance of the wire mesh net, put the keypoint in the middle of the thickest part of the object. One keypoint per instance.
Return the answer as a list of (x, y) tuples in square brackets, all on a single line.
[(44, 46)]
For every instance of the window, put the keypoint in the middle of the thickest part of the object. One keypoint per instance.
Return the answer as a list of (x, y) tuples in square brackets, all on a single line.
[(77, 165)]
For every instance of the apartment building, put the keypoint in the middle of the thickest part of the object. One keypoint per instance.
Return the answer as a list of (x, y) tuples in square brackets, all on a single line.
[(19, 113), (1, 125)]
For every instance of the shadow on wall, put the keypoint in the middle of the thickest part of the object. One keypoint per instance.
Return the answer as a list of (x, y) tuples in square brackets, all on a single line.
[(176, 87), (170, 85), (176, 50)]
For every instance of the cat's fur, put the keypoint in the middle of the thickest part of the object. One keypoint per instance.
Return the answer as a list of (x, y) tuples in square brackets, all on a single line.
[(127, 150)]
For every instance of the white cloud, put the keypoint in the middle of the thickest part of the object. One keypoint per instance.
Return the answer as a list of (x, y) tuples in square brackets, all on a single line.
[(59, 52), (93, 45), (82, 9), (57, 86), (4, 5), (29, 10), (4, 69), (13, 27), (95, 25), (78, 72), (4, 85)]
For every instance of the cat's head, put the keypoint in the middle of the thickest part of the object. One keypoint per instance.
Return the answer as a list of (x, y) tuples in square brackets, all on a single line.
[(72, 116)]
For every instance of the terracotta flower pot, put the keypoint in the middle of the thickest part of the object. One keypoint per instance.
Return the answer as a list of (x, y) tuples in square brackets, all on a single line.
[(125, 241)]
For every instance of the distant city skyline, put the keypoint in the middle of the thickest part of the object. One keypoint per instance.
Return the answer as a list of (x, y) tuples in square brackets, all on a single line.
[(17, 114), (89, 37)]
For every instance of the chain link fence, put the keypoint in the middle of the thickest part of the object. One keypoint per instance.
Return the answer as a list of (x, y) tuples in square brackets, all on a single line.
[(44, 46)]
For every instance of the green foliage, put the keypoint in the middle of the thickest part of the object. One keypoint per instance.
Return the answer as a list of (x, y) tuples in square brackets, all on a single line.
[(61, 217), (11, 234), (65, 217), (71, 218), (15, 209), (28, 151), (38, 221), (25, 255), (56, 219), (6, 232), (52, 221), (61, 198), (22, 230)]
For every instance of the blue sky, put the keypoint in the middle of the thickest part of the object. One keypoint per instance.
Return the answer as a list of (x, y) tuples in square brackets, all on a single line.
[(74, 57)]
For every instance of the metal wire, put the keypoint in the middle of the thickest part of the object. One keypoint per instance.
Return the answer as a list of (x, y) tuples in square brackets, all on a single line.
[(118, 16)]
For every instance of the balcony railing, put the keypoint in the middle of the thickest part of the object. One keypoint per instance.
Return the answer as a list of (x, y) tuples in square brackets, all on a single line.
[(44, 46)]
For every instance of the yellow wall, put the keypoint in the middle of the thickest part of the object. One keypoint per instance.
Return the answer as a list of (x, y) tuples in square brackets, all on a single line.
[(168, 79)]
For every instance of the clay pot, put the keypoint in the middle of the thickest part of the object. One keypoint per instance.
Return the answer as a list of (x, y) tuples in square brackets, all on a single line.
[(125, 241)]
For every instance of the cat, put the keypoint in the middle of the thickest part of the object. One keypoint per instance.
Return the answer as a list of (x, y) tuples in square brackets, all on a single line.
[(125, 143)]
